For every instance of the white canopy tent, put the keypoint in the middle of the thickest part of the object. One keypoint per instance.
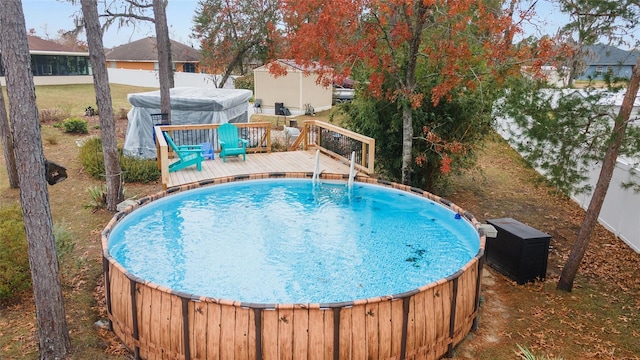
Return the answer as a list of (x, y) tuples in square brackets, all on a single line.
[(188, 106)]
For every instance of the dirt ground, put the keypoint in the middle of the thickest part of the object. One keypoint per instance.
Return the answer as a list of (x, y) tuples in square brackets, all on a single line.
[(600, 319), (604, 305)]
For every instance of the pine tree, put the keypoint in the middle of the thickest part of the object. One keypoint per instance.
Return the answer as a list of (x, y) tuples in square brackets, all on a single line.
[(53, 335)]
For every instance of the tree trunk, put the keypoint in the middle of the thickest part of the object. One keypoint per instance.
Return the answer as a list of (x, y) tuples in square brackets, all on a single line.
[(235, 62), (47, 292), (597, 199), (103, 100), (416, 26), (7, 144), (165, 71), (407, 142)]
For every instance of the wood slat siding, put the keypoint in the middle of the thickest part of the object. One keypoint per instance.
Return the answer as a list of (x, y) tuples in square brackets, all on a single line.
[(358, 332), (420, 320), (197, 327), (285, 334), (241, 333), (270, 329), (214, 329), (369, 330), (227, 330), (177, 333), (144, 306), (396, 327), (465, 313), (411, 327), (372, 318), (345, 333), (152, 342), (252, 332), (384, 330), (320, 334), (300, 333), (179, 326), (164, 324)]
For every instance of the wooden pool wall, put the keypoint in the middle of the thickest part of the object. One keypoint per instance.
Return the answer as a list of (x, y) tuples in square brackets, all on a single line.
[(156, 322)]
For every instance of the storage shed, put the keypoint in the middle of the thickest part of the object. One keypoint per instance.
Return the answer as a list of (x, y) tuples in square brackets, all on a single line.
[(188, 106), (293, 90)]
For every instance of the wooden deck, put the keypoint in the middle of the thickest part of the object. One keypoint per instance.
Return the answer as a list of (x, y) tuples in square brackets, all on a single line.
[(288, 161)]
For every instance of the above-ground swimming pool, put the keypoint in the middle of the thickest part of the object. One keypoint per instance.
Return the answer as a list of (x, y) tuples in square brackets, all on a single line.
[(284, 268)]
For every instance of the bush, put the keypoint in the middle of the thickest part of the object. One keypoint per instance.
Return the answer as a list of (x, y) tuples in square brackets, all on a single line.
[(51, 139), (64, 241), (14, 259), (65, 245), (15, 275), (121, 113), (91, 157), (52, 115), (139, 170), (245, 82), (133, 170), (98, 197), (75, 126)]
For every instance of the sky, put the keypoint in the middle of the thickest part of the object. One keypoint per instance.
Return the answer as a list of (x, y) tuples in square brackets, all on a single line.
[(46, 17)]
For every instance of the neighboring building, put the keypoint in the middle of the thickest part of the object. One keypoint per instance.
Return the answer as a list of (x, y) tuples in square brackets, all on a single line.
[(551, 74), (143, 55), (605, 59), (293, 90), (57, 64)]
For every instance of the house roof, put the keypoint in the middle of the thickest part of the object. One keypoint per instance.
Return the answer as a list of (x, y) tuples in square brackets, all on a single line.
[(146, 50), (37, 44), (606, 55), (292, 64)]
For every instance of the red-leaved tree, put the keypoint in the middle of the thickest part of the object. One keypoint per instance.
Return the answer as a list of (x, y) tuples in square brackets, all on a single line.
[(455, 46)]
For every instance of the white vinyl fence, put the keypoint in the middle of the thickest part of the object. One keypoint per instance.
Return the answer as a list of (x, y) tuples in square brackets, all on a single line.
[(621, 209), (149, 78)]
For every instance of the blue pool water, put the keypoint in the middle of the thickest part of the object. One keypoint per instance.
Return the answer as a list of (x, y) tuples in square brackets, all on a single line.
[(286, 241)]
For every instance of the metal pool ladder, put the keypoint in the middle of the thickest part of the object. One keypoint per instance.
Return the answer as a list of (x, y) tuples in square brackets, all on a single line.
[(352, 172), (316, 170)]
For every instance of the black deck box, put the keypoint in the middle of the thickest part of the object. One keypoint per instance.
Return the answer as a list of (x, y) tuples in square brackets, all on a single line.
[(519, 251)]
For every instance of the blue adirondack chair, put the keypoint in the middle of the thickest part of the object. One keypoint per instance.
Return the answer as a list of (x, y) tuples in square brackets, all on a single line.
[(188, 155), (230, 143)]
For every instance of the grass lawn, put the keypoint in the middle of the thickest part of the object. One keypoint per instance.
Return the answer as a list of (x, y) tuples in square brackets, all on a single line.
[(599, 319)]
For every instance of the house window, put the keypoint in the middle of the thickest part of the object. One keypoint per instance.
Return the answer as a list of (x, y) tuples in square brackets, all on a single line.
[(43, 65), (599, 69), (189, 67)]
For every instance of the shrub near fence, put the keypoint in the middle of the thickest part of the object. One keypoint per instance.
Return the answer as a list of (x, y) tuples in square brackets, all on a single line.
[(621, 209), (14, 262), (133, 170), (75, 126)]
